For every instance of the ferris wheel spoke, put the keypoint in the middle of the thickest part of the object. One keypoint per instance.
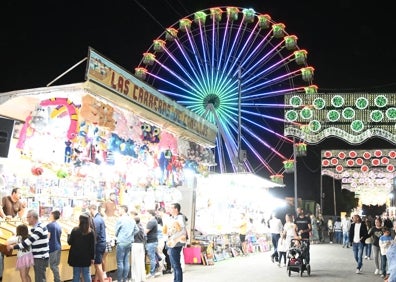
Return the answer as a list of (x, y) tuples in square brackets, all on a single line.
[(275, 80), (195, 77), (258, 155), (280, 64), (251, 95), (215, 58), (269, 130), (199, 63)]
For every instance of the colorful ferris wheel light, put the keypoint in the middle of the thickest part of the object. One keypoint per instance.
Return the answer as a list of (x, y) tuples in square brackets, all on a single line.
[(234, 71)]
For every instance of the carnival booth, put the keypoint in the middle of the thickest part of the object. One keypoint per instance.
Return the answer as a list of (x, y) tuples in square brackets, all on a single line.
[(219, 200), (73, 145)]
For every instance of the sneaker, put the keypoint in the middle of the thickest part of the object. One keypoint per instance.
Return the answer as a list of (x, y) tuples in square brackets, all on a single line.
[(158, 273), (376, 272), (365, 257), (149, 276), (358, 271), (382, 276)]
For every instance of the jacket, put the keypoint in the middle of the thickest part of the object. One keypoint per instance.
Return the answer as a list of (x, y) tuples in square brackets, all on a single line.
[(363, 232)]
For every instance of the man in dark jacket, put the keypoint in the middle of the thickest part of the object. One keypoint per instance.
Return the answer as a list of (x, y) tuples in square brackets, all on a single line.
[(357, 235)]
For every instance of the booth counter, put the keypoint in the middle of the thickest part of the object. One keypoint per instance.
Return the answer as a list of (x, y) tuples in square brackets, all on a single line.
[(7, 230)]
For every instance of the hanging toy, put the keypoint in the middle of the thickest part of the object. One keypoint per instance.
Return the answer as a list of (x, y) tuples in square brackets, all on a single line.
[(68, 152)]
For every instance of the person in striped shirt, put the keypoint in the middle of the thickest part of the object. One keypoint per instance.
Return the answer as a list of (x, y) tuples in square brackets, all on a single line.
[(38, 240)]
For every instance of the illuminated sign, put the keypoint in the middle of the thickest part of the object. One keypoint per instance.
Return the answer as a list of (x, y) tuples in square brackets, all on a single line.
[(106, 73)]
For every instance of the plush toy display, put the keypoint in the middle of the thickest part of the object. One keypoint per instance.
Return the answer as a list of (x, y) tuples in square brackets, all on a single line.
[(97, 113)]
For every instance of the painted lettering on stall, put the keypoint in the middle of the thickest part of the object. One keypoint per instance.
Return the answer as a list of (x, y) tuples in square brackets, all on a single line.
[(143, 97), (119, 83)]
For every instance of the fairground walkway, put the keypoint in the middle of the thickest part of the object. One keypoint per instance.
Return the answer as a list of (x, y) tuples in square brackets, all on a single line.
[(329, 262)]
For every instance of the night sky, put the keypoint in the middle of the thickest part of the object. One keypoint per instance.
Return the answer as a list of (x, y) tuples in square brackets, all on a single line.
[(350, 44)]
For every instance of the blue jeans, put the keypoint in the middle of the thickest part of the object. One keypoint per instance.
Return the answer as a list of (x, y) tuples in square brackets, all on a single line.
[(345, 236), (151, 249), (275, 238), (77, 271), (123, 262), (368, 250), (358, 254), (338, 237), (174, 255), (384, 261)]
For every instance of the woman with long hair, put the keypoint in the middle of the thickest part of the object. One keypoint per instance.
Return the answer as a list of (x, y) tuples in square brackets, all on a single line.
[(24, 256), (82, 249)]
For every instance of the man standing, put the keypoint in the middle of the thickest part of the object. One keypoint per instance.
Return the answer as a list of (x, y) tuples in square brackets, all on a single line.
[(152, 242), (100, 242), (55, 247), (175, 229), (125, 231), (303, 227), (345, 225), (110, 206), (12, 205), (276, 227), (357, 235), (38, 240)]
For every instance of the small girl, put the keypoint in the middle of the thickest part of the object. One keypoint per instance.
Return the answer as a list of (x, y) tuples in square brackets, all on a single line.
[(24, 256), (283, 246)]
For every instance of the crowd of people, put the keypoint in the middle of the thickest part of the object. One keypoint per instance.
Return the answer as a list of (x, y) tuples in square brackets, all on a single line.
[(296, 227), (161, 238), (370, 238)]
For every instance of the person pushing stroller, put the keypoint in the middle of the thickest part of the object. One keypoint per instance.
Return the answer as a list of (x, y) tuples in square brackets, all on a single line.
[(303, 228)]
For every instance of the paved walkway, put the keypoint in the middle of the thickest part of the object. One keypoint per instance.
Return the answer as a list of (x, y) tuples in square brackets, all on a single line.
[(329, 262)]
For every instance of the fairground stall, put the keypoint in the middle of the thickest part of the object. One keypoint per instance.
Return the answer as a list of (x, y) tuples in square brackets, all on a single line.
[(219, 200), (72, 145)]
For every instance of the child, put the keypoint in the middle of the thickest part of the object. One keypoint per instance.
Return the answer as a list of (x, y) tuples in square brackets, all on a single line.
[(24, 256), (385, 241), (283, 245)]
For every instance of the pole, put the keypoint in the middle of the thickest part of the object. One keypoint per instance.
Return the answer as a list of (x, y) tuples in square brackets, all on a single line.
[(239, 121), (321, 192), (59, 76), (334, 197), (295, 174)]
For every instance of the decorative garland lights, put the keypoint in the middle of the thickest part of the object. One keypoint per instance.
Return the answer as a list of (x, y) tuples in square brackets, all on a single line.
[(368, 173), (353, 117)]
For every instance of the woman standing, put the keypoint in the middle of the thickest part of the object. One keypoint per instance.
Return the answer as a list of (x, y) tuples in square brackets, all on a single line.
[(82, 249), (25, 256), (315, 232), (375, 233), (138, 270), (330, 229), (289, 228), (369, 241)]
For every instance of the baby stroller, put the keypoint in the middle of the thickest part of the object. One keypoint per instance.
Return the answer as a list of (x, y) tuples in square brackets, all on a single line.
[(297, 255)]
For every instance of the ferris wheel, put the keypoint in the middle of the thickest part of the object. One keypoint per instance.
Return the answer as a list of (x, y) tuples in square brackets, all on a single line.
[(233, 67)]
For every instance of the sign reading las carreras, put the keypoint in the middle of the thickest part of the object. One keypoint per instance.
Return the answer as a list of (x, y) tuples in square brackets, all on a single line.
[(112, 76)]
